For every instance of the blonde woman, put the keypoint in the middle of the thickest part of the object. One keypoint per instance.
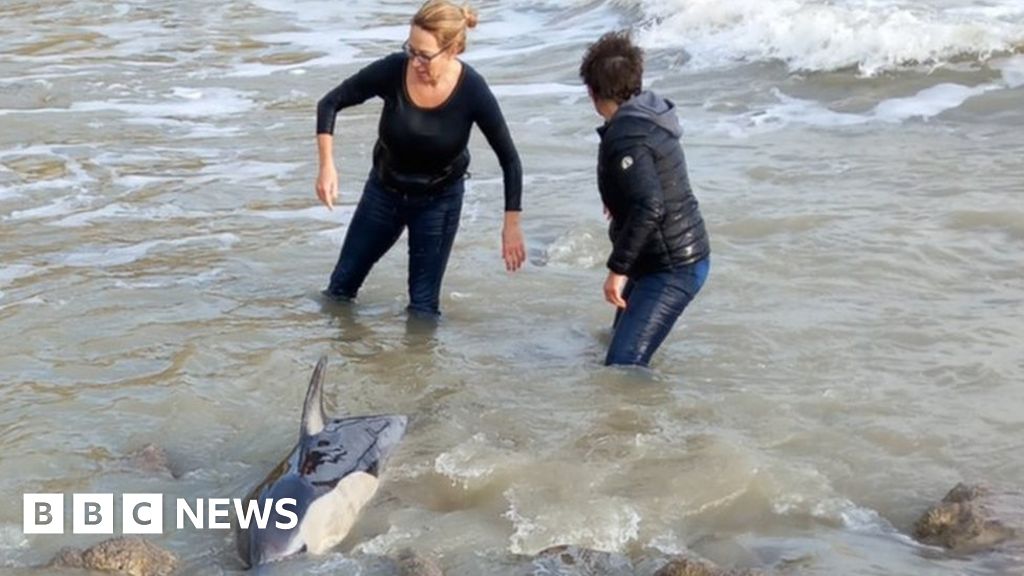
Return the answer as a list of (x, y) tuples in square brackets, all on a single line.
[(431, 102)]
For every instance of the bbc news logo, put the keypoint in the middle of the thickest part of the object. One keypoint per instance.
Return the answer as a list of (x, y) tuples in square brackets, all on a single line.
[(144, 513)]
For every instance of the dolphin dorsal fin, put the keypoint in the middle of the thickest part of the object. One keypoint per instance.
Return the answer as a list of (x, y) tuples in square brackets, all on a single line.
[(313, 417)]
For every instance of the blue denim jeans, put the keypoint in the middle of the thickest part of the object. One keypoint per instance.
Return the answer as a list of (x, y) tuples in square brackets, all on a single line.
[(380, 217), (653, 304)]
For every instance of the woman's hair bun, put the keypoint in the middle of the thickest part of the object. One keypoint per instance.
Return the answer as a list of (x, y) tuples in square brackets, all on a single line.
[(470, 15)]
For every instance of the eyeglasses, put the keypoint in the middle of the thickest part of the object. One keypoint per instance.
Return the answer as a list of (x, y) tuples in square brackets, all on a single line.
[(422, 57)]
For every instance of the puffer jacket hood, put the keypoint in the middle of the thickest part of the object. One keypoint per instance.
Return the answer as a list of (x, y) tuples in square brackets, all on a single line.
[(654, 108)]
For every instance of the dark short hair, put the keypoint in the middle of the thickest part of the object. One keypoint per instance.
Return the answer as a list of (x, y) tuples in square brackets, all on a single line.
[(613, 67)]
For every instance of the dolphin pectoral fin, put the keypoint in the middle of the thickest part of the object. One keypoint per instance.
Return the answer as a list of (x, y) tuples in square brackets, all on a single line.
[(243, 546), (313, 410), (277, 537), (244, 537)]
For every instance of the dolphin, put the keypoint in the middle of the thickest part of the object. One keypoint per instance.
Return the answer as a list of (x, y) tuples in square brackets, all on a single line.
[(331, 474)]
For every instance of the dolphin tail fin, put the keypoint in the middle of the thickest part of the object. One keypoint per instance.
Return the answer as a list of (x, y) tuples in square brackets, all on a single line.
[(313, 417)]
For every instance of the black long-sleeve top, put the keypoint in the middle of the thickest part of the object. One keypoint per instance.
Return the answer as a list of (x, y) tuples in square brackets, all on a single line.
[(420, 150)]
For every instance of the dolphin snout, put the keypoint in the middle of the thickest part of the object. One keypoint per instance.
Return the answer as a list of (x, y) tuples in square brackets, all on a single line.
[(391, 435)]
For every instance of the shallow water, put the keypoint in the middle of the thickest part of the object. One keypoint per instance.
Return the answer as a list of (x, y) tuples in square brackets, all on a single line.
[(855, 352)]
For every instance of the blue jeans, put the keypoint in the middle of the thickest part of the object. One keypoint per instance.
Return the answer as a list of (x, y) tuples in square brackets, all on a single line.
[(379, 219), (653, 304)]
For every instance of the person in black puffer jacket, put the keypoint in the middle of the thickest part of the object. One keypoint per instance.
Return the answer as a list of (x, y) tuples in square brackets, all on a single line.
[(661, 254)]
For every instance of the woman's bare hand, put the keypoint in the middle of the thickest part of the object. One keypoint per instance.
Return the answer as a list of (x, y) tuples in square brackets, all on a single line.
[(327, 186)]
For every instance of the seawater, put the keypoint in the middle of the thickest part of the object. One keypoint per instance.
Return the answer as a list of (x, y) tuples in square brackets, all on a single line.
[(855, 352)]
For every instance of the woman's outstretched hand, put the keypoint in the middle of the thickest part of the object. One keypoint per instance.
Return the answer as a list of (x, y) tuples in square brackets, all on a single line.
[(513, 248)]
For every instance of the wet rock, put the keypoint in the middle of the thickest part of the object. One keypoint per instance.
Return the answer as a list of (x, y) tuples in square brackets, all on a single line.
[(410, 563), (129, 556), (577, 561), (693, 567), (150, 459), (972, 518)]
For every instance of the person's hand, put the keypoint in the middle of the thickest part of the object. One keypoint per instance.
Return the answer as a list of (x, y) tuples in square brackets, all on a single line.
[(513, 249), (613, 288), (327, 186)]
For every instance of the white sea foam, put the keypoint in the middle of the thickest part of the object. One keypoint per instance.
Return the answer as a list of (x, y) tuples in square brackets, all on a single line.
[(853, 517), (11, 272), (386, 542), (332, 564), (541, 89), (37, 149), (139, 37), (1013, 71), (605, 524), (332, 13), (818, 35), (201, 279), (923, 105), (471, 460), (579, 247), (857, 518), (58, 207), (501, 34), (12, 536), (329, 42), (30, 301), (248, 171), (326, 40), (184, 103), (392, 34), (343, 213), (929, 102), (187, 128), (12, 111), (255, 70), (805, 491), (669, 543), (122, 211), (119, 256)]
